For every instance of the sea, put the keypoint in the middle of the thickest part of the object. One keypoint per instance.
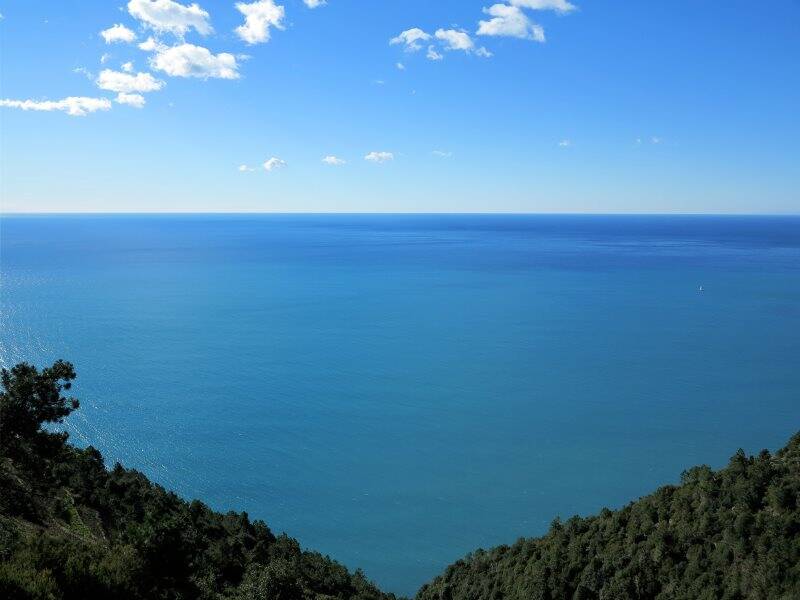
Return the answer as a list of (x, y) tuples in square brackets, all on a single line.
[(397, 391)]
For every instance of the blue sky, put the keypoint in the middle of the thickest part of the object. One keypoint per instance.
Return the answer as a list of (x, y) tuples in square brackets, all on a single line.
[(546, 106)]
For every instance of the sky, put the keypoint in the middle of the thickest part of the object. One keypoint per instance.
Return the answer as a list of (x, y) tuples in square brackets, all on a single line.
[(400, 106)]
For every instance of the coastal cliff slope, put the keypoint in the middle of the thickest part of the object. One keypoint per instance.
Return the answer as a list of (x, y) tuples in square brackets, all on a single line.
[(727, 534)]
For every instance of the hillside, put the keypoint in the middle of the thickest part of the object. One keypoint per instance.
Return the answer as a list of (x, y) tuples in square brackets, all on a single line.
[(71, 529), (729, 534)]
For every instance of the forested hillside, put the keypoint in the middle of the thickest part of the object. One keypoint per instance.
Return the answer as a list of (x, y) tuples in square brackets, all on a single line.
[(72, 530), (729, 534)]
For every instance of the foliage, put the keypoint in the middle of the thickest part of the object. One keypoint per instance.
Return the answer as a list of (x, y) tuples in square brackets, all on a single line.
[(72, 530), (730, 534)]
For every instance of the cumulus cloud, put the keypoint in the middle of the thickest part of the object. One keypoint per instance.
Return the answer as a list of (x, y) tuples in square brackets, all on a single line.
[(334, 161), (116, 81), (170, 16), (258, 18), (559, 6), (104, 58), (118, 33), (510, 21), (314, 3), (411, 38), (453, 39), (246, 169), (565, 143), (188, 60), (134, 100), (127, 67), (274, 163), (379, 157), (456, 39), (400, 66), (76, 106), (433, 53), (151, 44)]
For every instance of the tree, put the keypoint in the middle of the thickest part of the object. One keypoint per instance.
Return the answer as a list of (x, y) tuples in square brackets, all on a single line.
[(31, 398)]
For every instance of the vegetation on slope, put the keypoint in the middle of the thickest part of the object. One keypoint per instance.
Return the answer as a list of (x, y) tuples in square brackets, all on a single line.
[(730, 534), (71, 529)]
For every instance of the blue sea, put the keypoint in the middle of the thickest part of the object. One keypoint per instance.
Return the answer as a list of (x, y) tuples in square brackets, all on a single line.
[(399, 390)]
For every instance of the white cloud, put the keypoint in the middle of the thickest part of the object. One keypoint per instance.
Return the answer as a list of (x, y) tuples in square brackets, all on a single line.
[(400, 66), (442, 154), (188, 60), (258, 18), (559, 6), (104, 58), (411, 39), (433, 53), (314, 3), (655, 140), (246, 169), (128, 67), (274, 163), (116, 81), (76, 106), (151, 44), (565, 143), (134, 100), (118, 33), (453, 39), (334, 161), (379, 157), (170, 16), (510, 21)]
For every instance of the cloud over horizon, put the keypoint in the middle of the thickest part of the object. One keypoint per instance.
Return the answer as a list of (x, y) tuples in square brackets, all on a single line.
[(379, 157), (188, 60), (273, 164), (75, 106), (134, 100), (116, 81)]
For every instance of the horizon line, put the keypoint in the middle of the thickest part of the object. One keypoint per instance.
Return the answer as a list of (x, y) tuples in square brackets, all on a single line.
[(397, 213)]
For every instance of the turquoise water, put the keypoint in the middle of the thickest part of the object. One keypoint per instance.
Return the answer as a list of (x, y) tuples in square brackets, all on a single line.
[(396, 391)]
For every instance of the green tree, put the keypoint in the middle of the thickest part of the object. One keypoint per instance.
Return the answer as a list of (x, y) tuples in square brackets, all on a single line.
[(31, 398)]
